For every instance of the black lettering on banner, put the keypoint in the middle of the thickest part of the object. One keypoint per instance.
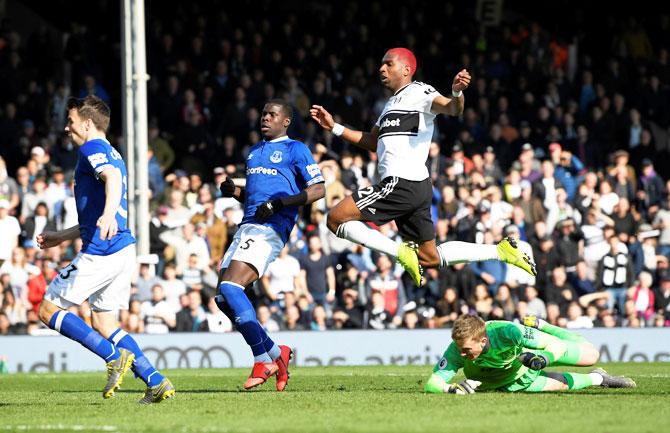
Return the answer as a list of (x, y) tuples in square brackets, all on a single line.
[(312, 359), (246, 244), (65, 272), (337, 360), (375, 360), (189, 357)]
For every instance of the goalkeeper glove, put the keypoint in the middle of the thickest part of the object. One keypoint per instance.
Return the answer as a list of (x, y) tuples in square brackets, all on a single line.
[(534, 361), (267, 209), (227, 188), (463, 387)]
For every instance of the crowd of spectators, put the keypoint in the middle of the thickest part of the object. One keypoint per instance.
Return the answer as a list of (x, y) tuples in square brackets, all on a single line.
[(561, 145)]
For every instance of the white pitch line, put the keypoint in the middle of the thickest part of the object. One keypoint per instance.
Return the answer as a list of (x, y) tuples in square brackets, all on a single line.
[(75, 427)]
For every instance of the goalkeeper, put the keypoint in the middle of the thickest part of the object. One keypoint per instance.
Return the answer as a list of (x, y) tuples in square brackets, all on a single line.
[(505, 356)]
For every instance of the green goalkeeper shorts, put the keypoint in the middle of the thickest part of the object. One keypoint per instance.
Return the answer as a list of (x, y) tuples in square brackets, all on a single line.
[(529, 380)]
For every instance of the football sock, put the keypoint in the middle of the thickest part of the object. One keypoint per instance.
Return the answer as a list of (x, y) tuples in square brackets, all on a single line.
[(464, 252), (270, 346), (245, 319), (74, 328), (581, 380), (360, 233), (141, 365)]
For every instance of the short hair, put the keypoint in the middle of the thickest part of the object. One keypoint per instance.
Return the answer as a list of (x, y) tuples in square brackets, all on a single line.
[(91, 107), (405, 56), (467, 327), (285, 106)]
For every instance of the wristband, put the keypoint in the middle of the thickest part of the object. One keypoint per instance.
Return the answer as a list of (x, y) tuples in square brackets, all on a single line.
[(456, 94), (338, 130)]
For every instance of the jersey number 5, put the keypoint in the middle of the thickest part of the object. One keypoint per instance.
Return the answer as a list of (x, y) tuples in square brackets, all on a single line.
[(246, 244)]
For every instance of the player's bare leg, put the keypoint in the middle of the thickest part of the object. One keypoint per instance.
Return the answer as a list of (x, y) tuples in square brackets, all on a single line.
[(346, 221)]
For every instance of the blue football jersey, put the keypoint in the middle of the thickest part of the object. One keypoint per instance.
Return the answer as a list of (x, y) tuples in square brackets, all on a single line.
[(275, 169), (95, 156)]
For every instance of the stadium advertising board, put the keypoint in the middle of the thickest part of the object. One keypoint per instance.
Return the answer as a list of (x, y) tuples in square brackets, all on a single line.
[(400, 347)]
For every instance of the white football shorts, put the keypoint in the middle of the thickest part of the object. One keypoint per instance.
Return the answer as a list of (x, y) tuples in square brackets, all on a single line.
[(254, 244), (103, 280)]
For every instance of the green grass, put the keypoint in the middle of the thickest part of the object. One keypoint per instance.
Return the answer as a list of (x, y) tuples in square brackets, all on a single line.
[(337, 399)]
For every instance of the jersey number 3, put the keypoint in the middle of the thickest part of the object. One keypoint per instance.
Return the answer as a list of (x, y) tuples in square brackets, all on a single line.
[(65, 273)]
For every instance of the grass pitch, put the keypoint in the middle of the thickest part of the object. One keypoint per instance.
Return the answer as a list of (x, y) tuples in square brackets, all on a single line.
[(334, 399)]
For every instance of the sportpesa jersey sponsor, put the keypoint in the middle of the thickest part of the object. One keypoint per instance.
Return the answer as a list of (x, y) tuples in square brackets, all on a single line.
[(262, 170), (399, 122)]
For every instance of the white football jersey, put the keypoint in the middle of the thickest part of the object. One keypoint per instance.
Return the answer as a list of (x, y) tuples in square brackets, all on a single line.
[(405, 132)]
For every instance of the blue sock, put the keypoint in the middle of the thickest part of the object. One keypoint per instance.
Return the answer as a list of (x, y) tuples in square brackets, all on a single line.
[(270, 346), (71, 326), (141, 365), (245, 319)]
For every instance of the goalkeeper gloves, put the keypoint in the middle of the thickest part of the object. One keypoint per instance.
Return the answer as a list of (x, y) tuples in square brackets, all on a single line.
[(227, 188), (463, 387), (534, 361)]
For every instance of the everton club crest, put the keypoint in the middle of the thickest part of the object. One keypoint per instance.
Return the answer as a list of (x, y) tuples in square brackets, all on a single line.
[(276, 157)]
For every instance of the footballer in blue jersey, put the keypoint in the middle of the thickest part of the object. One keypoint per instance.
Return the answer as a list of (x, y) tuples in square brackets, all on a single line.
[(100, 273), (281, 176)]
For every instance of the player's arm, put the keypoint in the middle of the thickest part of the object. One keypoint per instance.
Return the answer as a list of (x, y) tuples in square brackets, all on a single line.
[(307, 196), (50, 239), (444, 371), (453, 106), (113, 190), (229, 189), (366, 140), (547, 348)]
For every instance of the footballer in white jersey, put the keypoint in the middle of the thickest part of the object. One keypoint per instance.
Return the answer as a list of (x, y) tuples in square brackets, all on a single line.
[(401, 137)]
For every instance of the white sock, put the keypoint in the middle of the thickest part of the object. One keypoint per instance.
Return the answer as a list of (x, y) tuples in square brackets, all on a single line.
[(596, 379), (263, 357), (465, 252), (274, 352), (358, 232)]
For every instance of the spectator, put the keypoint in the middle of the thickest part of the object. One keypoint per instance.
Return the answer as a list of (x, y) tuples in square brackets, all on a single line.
[(282, 276), (615, 274), (317, 273), (158, 315), (9, 231), (576, 317), (643, 297), (448, 308), (389, 286), (193, 318), (217, 321), (351, 315)]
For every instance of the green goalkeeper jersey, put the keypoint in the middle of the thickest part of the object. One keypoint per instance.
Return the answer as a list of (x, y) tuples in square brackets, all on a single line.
[(498, 366)]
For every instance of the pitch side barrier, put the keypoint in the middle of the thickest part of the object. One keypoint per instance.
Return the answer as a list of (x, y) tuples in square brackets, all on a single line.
[(392, 347)]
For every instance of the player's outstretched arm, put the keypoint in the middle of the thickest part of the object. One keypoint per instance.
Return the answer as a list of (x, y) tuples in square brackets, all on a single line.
[(453, 106), (366, 140), (307, 196), (50, 239)]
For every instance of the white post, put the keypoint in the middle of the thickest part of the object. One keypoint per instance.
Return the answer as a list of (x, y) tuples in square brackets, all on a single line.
[(140, 79), (128, 111)]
